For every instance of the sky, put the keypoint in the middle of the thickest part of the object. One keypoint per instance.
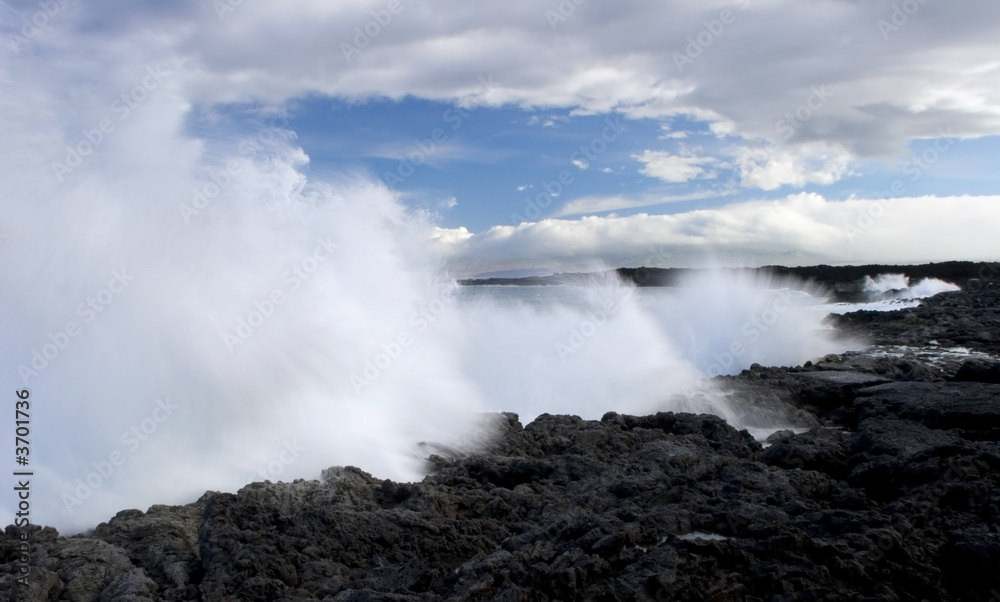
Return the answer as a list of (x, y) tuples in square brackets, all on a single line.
[(547, 135)]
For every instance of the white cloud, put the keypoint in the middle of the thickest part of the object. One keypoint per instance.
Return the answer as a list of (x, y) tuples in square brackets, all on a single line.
[(619, 58), (813, 163), (549, 120), (451, 236), (674, 168), (600, 204), (581, 164), (802, 229), (436, 154), (669, 135)]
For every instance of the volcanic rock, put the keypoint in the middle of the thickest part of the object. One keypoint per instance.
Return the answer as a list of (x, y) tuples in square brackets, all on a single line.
[(887, 489)]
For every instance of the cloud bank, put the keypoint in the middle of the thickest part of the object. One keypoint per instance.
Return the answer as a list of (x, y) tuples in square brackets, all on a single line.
[(802, 229)]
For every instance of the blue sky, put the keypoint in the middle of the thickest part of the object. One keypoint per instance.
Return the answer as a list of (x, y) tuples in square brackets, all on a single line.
[(752, 130), (493, 162), (498, 161), (479, 167)]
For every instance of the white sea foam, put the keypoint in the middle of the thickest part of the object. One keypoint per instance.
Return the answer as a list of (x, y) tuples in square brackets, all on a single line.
[(900, 288)]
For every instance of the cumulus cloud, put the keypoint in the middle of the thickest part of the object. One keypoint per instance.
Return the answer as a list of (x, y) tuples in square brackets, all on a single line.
[(882, 87), (888, 86), (769, 168)]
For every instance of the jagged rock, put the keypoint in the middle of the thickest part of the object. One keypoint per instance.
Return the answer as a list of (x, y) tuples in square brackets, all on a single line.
[(669, 506), (823, 449), (972, 407), (949, 319), (980, 371), (76, 568), (891, 493)]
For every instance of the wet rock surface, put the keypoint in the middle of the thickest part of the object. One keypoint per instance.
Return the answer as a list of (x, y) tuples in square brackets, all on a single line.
[(961, 319), (892, 492)]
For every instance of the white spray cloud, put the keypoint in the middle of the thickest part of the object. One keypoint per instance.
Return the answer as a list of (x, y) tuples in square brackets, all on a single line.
[(184, 314), (882, 283), (928, 287), (900, 287), (297, 324)]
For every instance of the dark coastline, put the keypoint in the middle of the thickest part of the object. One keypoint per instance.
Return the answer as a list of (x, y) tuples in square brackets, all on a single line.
[(891, 493), (844, 283)]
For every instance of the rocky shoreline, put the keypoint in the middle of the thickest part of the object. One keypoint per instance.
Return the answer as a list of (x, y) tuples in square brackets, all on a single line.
[(840, 283), (890, 490)]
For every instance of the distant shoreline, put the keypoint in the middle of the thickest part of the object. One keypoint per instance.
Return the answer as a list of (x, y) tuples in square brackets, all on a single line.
[(846, 283)]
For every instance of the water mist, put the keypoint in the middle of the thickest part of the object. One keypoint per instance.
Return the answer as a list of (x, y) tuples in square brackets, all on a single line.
[(206, 318)]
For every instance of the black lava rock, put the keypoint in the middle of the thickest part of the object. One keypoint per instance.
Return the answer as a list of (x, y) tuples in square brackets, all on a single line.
[(889, 489)]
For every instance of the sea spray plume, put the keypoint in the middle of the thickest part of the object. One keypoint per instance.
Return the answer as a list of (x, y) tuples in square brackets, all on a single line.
[(584, 349), (897, 286), (595, 344), (725, 320), (250, 319), (928, 287), (883, 283), (207, 345)]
